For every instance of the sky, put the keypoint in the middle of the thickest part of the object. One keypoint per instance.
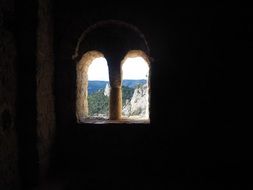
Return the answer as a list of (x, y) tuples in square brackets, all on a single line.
[(133, 68)]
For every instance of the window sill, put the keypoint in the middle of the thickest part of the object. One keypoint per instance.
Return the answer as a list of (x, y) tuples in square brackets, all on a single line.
[(107, 121)]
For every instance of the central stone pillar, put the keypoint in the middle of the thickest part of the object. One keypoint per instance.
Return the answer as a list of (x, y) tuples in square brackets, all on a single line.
[(115, 91)]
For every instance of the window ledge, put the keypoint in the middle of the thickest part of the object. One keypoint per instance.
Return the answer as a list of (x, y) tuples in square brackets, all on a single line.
[(107, 121)]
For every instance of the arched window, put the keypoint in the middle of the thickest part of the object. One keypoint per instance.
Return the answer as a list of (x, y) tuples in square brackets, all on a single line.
[(127, 92), (90, 69), (93, 89), (98, 89), (135, 86)]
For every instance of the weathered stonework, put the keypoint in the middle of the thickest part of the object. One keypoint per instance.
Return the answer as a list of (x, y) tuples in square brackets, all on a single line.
[(115, 76), (93, 39), (82, 83), (45, 81), (8, 135)]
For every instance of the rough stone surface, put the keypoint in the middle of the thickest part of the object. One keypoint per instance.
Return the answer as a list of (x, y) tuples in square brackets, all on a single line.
[(45, 71), (139, 109), (115, 103), (107, 90), (8, 136), (82, 83), (138, 105)]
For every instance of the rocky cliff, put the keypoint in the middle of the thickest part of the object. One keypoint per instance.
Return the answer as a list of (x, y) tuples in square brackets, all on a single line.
[(138, 105), (107, 90)]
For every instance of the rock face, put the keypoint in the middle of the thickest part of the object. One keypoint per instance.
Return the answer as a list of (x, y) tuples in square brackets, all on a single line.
[(107, 90), (138, 105)]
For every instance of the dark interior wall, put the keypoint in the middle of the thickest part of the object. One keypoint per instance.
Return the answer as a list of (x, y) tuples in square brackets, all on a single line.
[(45, 82), (26, 92), (25, 25), (27, 105), (8, 92), (193, 139), (77, 20), (192, 136)]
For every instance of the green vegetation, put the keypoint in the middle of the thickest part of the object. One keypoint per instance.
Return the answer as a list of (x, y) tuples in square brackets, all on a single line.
[(99, 103), (127, 94)]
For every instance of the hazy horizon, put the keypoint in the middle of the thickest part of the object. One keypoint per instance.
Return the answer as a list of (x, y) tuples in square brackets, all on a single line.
[(108, 80)]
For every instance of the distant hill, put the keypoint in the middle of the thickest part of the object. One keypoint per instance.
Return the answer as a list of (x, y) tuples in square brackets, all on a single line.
[(133, 83), (94, 86)]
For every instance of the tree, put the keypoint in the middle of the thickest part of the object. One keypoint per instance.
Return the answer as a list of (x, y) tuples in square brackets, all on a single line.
[(127, 94), (98, 103)]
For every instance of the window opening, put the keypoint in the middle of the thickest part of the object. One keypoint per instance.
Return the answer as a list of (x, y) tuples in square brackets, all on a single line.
[(98, 89), (135, 88)]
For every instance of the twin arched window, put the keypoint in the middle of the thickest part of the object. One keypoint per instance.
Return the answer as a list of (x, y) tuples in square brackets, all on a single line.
[(107, 93)]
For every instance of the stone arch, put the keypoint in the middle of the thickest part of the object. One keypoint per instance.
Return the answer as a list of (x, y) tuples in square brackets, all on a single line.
[(136, 53), (115, 39), (82, 83), (133, 36)]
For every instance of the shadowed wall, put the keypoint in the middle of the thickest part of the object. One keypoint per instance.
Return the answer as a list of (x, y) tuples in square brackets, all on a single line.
[(193, 139)]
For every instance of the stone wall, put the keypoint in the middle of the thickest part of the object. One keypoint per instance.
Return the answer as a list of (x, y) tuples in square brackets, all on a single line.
[(82, 83), (45, 77), (8, 136)]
